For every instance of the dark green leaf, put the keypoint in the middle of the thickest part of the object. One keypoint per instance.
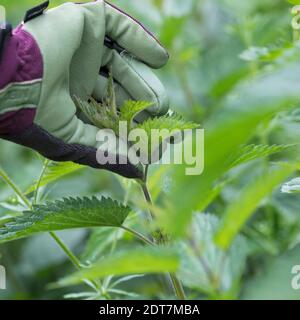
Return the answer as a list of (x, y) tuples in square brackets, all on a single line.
[(66, 214)]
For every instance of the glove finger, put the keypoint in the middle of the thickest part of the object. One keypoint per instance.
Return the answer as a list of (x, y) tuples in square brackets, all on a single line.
[(131, 35), (139, 81)]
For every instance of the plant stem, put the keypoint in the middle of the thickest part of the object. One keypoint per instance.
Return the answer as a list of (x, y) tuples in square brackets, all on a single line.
[(161, 239), (177, 286), (148, 198), (76, 262), (15, 188), (36, 192), (138, 235), (66, 250)]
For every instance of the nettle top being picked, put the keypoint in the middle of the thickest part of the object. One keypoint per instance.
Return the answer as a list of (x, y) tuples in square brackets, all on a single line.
[(148, 137)]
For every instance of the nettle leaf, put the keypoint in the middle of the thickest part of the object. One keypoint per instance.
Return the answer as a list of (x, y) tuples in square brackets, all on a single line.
[(130, 109), (172, 123), (101, 115), (131, 261), (54, 172), (241, 209), (205, 267), (251, 152), (65, 214)]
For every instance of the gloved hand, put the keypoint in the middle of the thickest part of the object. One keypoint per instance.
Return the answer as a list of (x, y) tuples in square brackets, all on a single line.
[(64, 52)]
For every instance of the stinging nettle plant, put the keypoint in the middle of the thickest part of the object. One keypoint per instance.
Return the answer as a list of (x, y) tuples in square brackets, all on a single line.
[(158, 256)]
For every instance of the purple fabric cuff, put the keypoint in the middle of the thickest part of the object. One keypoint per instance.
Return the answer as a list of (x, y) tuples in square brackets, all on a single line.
[(22, 60), (16, 121)]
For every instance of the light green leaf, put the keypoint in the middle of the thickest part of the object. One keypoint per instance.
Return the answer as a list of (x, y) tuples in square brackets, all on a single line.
[(133, 261), (294, 1), (66, 214), (130, 109), (240, 210), (251, 152), (173, 123), (54, 172)]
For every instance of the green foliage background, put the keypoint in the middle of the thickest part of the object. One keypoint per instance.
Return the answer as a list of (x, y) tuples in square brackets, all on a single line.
[(235, 69)]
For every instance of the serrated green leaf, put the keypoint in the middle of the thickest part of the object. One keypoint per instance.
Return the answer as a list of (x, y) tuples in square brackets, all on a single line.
[(54, 172), (130, 109), (101, 115), (170, 122), (240, 210), (133, 261), (66, 214), (173, 123), (251, 152)]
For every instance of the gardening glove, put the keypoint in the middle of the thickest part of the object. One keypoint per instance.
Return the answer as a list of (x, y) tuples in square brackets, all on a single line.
[(62, 53)]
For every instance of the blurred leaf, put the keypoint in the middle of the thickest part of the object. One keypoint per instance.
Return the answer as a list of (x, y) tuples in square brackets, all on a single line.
[(241, 209), (66, 214), (132, 261), (287, 206), (227, 130), (227, 83), (292, 186), (171, 28), (123, 293), (99, 241), (251, 152), (294, 1), (254, 54), (274, 281), (54, 172), (205, 267)]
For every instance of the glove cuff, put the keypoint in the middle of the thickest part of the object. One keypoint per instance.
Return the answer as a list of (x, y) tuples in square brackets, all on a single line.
[(21, 59)]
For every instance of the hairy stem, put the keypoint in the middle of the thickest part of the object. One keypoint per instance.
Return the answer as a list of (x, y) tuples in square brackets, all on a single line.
[(15, 188), (138, 235), (36, 192), (161, 239), (66, 250)]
